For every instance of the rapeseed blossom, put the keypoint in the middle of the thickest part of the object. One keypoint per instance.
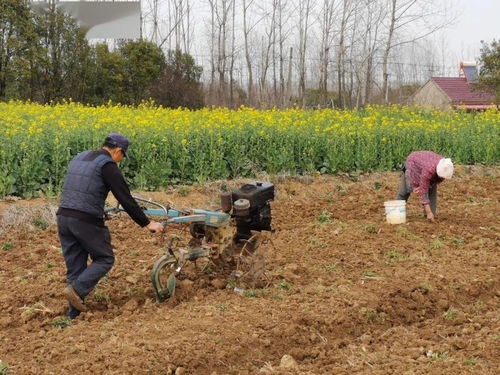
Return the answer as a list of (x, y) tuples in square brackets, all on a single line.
[(185, 146)]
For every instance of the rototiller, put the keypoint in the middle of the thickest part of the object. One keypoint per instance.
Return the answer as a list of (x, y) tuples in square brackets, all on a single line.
[(228, 237)]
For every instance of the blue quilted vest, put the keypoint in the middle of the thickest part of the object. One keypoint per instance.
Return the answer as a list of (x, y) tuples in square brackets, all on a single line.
[(84, 188)]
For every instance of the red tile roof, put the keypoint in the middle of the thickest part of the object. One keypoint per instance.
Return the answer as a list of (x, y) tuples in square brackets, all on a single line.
[(461, 92)]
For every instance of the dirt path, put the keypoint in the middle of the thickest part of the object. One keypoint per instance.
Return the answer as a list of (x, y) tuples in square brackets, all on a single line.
[(350, 293)]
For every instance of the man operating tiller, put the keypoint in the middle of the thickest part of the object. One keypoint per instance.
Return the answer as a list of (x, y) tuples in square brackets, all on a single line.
[(80, 217)]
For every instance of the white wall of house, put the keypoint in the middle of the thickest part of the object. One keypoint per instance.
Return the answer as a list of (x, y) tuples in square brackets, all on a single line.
[(431, 95)]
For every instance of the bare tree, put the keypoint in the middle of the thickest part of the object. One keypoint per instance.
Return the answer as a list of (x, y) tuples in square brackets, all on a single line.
[(247, 29), (425, 16), (283, 16), (233, 56), (347, 12), (374, 13), (340, 54), (304, 13), (220, 12), (327, 20), (288, 45), (353, 41), (268, 40), (274, 53), (212, 48), (246, 32), (181, 24), (155, 33), (288, 91), (176, 32), (183, 9)]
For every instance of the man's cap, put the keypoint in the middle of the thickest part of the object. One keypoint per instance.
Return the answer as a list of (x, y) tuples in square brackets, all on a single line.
[(444, 169), (118, 140)]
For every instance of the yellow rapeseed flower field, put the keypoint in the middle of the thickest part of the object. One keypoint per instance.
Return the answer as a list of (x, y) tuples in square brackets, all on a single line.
[(182, 146)]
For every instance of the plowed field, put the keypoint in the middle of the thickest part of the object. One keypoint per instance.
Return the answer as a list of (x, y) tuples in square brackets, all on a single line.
[(347, 294)]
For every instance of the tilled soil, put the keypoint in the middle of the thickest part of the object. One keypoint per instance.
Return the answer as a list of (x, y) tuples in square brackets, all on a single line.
[(347, 293)]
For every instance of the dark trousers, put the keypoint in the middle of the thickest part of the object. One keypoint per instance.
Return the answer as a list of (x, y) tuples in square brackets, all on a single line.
[(405, 190), (81, 240)]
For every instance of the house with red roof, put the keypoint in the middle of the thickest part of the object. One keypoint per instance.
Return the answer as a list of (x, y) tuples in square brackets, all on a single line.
[(455, 92)]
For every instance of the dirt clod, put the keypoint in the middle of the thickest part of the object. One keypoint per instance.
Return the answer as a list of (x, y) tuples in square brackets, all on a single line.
[(131, 305), (131, 279), (218, 283), (288, 362)]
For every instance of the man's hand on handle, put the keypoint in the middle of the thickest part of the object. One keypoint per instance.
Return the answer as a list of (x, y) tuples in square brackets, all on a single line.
[(155, 227)]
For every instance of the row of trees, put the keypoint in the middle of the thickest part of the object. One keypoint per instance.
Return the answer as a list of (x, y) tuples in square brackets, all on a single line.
[(262, 53), (281, 52), (46, 58)]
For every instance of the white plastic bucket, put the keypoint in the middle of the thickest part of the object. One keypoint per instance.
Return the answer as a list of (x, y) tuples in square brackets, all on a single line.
[(395, 211)]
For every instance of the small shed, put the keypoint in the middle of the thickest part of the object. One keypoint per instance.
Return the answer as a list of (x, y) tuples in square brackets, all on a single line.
[(454, 92)]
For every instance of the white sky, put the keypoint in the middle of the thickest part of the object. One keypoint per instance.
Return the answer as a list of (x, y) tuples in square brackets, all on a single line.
[(476, 20)]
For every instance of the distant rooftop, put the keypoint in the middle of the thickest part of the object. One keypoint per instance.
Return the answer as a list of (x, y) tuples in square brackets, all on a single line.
[(461, 91)]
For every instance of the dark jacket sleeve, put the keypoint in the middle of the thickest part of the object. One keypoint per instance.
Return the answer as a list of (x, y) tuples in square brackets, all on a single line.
[(116, 183)]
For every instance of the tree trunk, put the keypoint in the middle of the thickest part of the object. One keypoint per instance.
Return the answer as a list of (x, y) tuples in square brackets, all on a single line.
[(368, 81), (281, 56), (388, 47), (247, 54), (304, 26), (231, 69), (266, 55), (340, 57), (326, 32), (212, 50), (289, 80)]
